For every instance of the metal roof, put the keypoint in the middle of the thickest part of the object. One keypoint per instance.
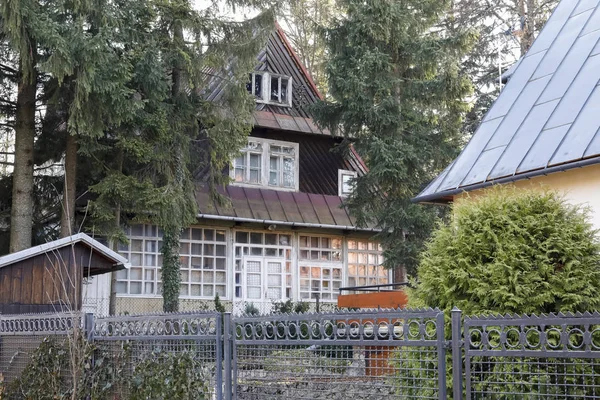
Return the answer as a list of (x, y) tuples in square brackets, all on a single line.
[(546, 119), (118, 259), (255, 205)]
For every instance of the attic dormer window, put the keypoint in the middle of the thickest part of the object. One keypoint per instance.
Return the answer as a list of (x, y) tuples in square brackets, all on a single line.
[(270, 88)]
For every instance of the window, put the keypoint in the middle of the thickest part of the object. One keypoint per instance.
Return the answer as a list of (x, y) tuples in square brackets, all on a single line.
[(321, 265), (202, 256), (270, 88), (269, 163), (203, 267), (364, 264), (248, 166), (346, 182), (144, 253), (263, 266)]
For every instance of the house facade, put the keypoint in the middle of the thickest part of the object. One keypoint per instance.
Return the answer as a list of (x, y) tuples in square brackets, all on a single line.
[(286, 234), (543, 131)]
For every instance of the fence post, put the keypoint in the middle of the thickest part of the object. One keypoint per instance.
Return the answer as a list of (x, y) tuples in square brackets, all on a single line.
[(88, 326), (457, 362), (227, 339), (441, 353)]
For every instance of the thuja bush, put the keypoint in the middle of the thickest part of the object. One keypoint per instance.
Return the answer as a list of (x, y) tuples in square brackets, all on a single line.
[(512, 251)]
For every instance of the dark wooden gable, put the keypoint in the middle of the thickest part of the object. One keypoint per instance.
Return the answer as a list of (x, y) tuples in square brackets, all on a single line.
[(279, 58)]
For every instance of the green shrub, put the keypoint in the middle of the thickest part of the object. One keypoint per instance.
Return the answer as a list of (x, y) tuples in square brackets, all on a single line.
[(167, 375), (512, 251)]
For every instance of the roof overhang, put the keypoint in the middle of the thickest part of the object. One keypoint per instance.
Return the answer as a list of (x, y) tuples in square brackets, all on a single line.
[(448, 195), (288, 223), (119, 262)]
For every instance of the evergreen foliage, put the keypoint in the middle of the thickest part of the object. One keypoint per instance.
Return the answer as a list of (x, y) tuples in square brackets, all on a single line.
[(512, 251), (399, 98)]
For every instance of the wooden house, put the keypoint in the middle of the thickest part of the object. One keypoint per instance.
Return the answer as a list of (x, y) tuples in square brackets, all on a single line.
[(50, 277), (287, 234)]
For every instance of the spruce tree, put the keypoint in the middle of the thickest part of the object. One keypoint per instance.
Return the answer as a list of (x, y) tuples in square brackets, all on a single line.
[(399, 99)]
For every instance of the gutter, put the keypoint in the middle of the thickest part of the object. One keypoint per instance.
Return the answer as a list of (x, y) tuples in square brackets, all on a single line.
[(286, 223), (513, 178)]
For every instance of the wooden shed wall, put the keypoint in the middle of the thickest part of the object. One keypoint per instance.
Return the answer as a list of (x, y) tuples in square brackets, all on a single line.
[(46, 282)]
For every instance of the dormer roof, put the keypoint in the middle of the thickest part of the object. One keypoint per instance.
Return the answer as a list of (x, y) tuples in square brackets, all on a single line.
[(547, 117)]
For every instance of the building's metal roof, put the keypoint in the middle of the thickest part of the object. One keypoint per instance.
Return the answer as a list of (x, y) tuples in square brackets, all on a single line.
[(546, 119), (274, 207)]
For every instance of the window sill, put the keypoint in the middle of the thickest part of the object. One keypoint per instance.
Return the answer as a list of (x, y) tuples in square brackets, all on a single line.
[(273, 103), (257, 186)]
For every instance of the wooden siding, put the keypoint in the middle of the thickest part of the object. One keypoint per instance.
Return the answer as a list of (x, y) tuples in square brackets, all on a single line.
[(47, 282), (319, 165)]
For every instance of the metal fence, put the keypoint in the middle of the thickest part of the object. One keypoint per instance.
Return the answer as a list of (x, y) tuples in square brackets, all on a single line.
[(140, 347), (368, 354), (364, 355), (21, 335), (550, 356)]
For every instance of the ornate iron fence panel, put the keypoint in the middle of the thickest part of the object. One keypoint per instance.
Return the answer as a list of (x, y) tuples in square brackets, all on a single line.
[(518, 357), (145, 347), (21, 335), (395, 354)]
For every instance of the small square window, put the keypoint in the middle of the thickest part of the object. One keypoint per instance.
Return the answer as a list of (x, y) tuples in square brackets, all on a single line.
[(346, 182)]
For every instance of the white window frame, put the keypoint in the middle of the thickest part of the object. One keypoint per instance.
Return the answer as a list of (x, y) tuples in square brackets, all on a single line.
[(321, 264), (265, 165), (341, 174), (266, 88), (264, 278)]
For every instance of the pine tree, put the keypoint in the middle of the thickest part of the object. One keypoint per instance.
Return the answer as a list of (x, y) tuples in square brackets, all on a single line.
[(399, 99), (148, 157)]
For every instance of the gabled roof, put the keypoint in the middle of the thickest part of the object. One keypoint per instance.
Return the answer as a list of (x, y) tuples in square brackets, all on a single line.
[(278, 57), (117, 259), (546, 119)]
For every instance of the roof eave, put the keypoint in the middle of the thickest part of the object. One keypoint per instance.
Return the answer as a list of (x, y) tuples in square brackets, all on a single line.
[(288, 223), (444, 196)]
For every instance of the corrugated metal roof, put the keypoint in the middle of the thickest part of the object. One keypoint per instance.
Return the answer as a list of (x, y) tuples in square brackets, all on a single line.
[(278, 207), (547, 117)]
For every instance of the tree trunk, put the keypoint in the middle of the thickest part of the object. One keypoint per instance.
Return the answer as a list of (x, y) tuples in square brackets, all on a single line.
[(112, 301), (21, 216), (67, 219)]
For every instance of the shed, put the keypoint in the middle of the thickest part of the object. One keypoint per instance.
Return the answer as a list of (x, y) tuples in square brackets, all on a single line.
[(49, 277)]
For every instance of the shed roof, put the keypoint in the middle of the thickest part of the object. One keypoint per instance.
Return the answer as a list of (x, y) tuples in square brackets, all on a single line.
[(255, 205), (118, 261), (547, 117)]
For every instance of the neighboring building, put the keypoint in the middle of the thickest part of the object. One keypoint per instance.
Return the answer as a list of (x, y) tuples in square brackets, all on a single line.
[(286, 234), (49, 277), (543, 130)]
